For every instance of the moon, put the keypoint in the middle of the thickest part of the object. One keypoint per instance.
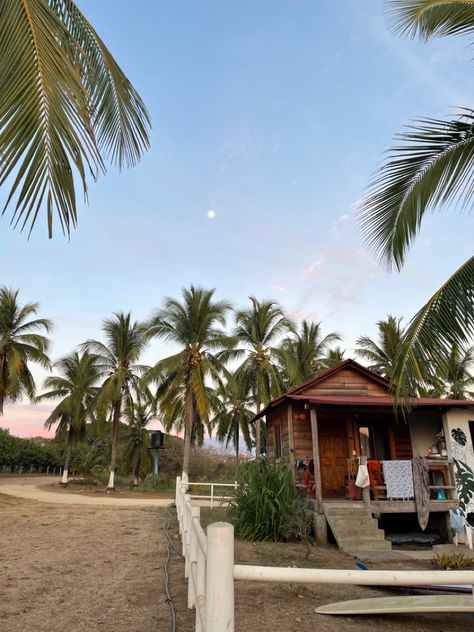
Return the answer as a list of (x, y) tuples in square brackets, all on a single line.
[(211, 214)]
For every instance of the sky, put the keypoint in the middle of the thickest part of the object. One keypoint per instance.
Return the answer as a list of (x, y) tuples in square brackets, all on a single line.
[(273, 114)]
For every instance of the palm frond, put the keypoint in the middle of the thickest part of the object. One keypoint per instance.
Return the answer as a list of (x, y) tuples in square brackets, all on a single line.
[(434, 167), (447, 319), (64, 105), (432, 18)]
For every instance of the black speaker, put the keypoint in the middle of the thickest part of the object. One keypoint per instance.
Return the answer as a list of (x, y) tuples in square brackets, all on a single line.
[(157, 438)]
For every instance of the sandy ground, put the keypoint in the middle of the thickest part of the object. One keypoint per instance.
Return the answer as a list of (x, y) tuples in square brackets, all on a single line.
[(84, 569), (94, 568)]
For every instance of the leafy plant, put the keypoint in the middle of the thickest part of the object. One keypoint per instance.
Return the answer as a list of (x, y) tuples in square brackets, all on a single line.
[(266, 505), (452, 561)]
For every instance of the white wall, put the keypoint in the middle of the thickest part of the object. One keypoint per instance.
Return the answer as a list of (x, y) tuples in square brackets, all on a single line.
[(460, 448)]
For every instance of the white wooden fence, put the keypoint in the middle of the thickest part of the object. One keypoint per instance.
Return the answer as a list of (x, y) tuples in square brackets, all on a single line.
[(211, 572)]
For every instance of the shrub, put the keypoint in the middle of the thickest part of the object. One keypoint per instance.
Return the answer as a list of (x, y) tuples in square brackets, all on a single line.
[(266, 505), (452, 561)]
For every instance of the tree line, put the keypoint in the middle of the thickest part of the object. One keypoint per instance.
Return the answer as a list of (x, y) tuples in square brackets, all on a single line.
[(216, 380)]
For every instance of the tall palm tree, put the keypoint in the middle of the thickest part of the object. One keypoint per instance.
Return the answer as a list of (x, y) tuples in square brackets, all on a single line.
[(20, 343), (381, 354), (118, 357), (76, 388), (433, 167), (304, 351), (194, 325), (232, 414), (65, 105), (453, 378), (259, 329)]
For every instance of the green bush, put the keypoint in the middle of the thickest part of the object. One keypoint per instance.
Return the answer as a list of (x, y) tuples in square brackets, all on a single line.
[(266, 505)]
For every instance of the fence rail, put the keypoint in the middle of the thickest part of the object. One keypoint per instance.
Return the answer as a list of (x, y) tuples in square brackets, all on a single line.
[(211, 571)]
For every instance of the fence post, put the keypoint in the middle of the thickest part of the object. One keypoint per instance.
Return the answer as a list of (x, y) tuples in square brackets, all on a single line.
[(200, 575), (220, 578), (193, 547), (212, 496), (186, 533)]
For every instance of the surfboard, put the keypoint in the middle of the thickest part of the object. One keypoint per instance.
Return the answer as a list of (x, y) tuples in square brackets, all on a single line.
[(401, 605)]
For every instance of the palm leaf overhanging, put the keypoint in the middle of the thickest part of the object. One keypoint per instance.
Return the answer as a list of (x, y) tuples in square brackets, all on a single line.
[(65, 104), (432, 18), (433, 167)]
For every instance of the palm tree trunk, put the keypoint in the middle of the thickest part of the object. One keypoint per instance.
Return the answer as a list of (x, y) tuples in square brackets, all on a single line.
[(237, 448), (64, 479), (115, 434), (257, 431), (136, 469), (188, 430)]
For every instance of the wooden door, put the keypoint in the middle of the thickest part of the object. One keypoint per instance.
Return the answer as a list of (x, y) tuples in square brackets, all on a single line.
[(333, 454)]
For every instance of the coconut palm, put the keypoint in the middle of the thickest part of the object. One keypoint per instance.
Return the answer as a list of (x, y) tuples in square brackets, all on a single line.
[(381, 354), (331, 358), (433, 167), (20, 343), (304, 351), (259, 329), (194, 325), (76, 387), (232, 414), (118, 357), (66, 109), (139, 414), (452, 378)]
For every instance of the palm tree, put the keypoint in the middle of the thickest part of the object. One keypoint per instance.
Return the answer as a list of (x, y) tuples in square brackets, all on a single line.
[(333, 356), (381, 354), (452, 377), (193, 325), (259, 328), (233, 414), (434, 167), (118, 364), (65, 104), (75, 386), (304, 351), (136, 452), (20, 343)]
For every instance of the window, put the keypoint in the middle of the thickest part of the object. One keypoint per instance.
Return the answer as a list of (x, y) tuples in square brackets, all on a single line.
[(471, 432), (277, 435)]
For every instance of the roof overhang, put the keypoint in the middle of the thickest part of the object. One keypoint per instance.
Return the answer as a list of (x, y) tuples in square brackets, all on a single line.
[(354, 401)]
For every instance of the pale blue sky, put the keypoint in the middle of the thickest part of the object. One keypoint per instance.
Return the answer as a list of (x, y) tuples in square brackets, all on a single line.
[(273, 114)]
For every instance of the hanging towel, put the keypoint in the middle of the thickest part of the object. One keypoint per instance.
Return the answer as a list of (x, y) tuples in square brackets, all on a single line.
[(421, 483), (375, 473), (362, 479), (457, 520), (398, 478)]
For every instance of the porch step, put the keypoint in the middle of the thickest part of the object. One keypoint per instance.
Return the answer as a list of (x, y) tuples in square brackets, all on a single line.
[(355, 529)]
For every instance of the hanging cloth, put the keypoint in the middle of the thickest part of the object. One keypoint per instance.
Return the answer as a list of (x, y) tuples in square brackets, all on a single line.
[(362, 479), (375, 473), (398, 478), (421, 481)]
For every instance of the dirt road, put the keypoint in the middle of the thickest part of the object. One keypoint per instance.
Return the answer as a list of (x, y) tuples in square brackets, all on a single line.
[(85, 569)]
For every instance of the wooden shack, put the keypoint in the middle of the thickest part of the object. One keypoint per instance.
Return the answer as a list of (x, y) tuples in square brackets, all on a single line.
[(347, 413)]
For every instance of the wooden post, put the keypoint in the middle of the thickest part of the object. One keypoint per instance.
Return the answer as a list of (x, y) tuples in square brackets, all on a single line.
[(320, 525), (365, 490), (291, 447), (220, 578)]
